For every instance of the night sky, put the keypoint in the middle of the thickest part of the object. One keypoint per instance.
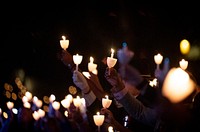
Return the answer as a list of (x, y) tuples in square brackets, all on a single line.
[(30, 35)]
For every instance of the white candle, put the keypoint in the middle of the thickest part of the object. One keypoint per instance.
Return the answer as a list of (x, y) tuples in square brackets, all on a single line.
[(56, 105), (36, 115), (64, 43), (77, 60), (52, 98), (65, 103), (91, 65), (87, 74), (106, 102), (183, 64), (10, 105), (39, 103), (158, 59), (41, 113), (110, 60), (98, 119), (29, 95), (69, 97), (77, 101), (110, 129), (27, 105)]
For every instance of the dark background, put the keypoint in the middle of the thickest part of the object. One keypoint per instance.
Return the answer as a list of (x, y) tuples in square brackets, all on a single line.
[(30, 35)]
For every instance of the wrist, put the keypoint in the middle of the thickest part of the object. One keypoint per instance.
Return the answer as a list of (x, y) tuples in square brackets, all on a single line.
[(87, 91)]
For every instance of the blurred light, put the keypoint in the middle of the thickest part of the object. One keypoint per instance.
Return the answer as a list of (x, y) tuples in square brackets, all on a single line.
[(14, 110), (194, 53), (177, 85), (5, 115), (184, 46), (14, 96)]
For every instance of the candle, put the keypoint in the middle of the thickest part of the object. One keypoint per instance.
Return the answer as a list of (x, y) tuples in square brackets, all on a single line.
[(64, 43), (56, 105), (52, 98), (39, 103), (65, 103), (77, 60), (110, 60), (41, 113), (69, 97), (91, 66), (10, 105), (183, 64), (98, 119), (77, 101), (27, 105), (158, 59), (36, 115), (110, 129), (87, 74), (106, 102), (29, 95)]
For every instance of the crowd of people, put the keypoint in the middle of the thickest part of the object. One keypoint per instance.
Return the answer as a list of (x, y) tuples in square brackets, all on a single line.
[(137, 106)]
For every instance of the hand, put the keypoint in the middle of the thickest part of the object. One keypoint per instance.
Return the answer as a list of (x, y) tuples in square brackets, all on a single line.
[(114, 79), (109, 118), (161, 73), (124, 55), (80, 81)]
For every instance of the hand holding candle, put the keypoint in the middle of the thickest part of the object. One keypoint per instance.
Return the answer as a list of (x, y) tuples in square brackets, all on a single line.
[(106, 102), (64, 43), (77, 60)]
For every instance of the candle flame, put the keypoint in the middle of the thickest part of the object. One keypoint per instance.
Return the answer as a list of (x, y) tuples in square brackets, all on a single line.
[(106, 96), (91, 59), (63, 37)]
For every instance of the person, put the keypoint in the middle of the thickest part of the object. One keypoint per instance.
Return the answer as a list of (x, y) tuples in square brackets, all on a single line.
[(93, 100), (166, 116)]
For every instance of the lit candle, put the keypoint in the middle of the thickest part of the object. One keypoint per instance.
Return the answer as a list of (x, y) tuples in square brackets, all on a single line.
[(56, 105), (77, 60), (110, 60), (183, 64), (29, 95), (106, 102), (36, 115), (65, 103), (27, 105), (41, 113), (52, 98), (39, 103), (158, 59), (64, 43), (87, 74), (98, 120), (91, 65), (110, 129), (77, 101), (10, 105), (69, 97)]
